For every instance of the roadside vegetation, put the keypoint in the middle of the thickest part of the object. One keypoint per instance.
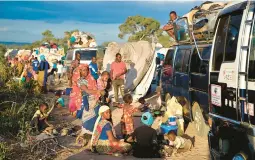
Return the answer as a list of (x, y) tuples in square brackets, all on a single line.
[(17, 106)]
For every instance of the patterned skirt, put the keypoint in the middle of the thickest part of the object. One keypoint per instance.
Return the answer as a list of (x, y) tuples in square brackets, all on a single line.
[(89, 119), (107, 147)]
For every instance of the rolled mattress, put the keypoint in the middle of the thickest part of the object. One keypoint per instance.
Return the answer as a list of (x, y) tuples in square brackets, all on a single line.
[(138, 57)]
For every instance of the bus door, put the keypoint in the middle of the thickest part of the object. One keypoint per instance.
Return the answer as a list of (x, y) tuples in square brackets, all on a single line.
[(251, 80), (224, 65), (181, 75), (199, 76)]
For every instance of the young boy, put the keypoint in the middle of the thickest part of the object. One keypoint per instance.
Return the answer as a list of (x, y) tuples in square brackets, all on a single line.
[(39, 121), (179, 143), (60, 100), (145, 106)]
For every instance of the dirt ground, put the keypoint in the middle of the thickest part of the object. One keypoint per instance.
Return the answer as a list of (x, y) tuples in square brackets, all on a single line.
[(74, 152)]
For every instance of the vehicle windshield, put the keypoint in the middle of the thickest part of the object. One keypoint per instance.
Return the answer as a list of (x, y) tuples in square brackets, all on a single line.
[(87, 54)]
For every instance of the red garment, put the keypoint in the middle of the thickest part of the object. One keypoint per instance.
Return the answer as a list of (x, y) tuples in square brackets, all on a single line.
[(128, 111), (118, 68), (76, 95)]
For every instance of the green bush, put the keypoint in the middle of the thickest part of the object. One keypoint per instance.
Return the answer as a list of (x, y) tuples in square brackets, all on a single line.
[(4, 150)]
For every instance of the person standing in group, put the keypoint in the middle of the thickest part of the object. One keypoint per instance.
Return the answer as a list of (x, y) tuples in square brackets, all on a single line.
[(59, 70), (94, 68), (75, 63), (64, 71), (118, 70), (35, 65), (43, 72)]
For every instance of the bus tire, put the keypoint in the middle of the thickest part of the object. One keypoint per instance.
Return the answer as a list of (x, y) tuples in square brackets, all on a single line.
[(201, 127)]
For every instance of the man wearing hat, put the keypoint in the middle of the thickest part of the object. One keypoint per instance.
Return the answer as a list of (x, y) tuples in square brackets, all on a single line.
[(145, 139)]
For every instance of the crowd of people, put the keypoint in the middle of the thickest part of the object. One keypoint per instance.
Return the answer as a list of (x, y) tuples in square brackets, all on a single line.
[(90, 102), (37, 69)]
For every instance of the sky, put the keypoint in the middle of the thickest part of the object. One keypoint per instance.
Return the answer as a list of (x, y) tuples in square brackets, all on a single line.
[(25, 21)]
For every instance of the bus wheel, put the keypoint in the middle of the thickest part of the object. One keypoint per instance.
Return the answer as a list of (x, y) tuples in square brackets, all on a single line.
[(167, 97), (200, 125)]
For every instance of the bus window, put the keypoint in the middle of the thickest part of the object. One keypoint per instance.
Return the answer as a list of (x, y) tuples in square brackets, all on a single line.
[(195, 65), (168, 64), (219, 43), (226, 39), (87, 54), (252, 58), (232, 37), (182, 60)]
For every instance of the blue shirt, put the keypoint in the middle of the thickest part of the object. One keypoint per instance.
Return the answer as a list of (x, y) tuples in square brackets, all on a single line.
[(94, 70), (54, 65), (103, 135), (35, 65), (36, 52)]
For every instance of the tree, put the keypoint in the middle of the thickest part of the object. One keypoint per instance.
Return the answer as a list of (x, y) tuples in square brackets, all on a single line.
[(47, 36), (138, 28), (3, 49), (143, 28)]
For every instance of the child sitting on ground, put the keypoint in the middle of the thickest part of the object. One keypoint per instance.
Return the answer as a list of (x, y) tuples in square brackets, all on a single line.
[(179, 143), (60, 100), (39, 121), (145, 105), (127, 122)]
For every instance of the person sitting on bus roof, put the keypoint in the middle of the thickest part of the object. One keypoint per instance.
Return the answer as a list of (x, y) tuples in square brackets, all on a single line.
[(169, 28)]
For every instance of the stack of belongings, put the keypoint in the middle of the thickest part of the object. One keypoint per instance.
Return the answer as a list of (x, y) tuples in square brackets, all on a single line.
[(11, 53), (82, 40), (51, 52), (61, 51), (173, 109), (202, 19), (169, 125), (23, 55), (138, 56)]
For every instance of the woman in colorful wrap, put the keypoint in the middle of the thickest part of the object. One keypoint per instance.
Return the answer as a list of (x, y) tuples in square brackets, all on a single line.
[(43, 73), (75, 63), (84, 98), (104, 139)]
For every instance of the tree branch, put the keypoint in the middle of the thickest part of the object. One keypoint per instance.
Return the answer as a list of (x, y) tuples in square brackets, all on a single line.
[(142, 37)]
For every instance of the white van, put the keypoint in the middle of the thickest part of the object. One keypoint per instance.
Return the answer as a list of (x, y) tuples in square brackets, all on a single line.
[(86, 55)]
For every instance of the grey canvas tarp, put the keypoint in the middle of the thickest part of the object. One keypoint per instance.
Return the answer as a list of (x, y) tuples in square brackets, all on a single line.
[(138, 57)]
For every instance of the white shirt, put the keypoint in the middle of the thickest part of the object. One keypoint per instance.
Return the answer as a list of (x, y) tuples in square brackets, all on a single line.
[(64, 69), (179, 142), (60, 68)]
